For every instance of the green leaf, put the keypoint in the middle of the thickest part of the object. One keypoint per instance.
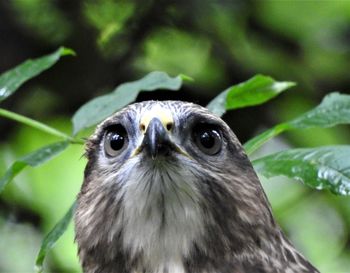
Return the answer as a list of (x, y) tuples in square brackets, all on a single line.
[(11, 80), (52, 237), (254, 91), (185, 78), (320, 168), (33, 159), (333, 110), (255, 143), (218, 105), (101, 107)]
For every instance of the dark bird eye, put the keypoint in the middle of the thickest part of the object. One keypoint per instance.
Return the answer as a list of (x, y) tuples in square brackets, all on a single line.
[(115, 140), (208, 139)]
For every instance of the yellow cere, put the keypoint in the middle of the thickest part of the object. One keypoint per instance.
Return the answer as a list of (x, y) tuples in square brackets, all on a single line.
[(164, 115)]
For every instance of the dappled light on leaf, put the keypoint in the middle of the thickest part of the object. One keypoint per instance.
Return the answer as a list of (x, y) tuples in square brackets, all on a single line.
[(320, 168), (333, 110)]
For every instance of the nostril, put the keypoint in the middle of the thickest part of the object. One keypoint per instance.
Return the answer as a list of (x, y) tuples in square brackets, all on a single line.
[(169, 126), (142, 127)]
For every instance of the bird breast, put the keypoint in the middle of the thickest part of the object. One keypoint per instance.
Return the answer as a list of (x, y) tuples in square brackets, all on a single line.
[(161, 216)]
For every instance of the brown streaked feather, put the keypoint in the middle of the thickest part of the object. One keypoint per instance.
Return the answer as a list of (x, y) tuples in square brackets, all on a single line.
[(182, 213)]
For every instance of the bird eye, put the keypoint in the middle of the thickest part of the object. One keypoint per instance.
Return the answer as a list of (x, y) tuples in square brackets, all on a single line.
[(207, 138), (115, 140)]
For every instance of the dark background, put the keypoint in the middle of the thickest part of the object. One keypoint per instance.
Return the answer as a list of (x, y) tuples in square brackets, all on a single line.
[(218, 43)]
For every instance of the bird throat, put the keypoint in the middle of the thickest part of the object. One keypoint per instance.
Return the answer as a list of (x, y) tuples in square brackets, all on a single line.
[(162, 215)]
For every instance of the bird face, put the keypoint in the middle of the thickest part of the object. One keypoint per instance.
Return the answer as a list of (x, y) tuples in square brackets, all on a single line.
[(161, 132), (152, 142), (146, 169), (168, 188), (148, 179)]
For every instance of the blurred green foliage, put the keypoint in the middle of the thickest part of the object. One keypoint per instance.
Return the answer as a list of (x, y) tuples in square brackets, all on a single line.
[(164, 48), (47, 191), (43, 18), (108, 17), (218, 44)]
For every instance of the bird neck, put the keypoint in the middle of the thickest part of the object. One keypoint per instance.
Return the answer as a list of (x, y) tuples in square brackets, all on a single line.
[(173, 220), (162, 219)]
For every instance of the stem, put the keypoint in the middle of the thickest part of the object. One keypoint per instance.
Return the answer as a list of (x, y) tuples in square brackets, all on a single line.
[(38, 125)]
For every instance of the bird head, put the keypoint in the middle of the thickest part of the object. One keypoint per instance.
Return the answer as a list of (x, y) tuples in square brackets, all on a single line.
[(165, 182)]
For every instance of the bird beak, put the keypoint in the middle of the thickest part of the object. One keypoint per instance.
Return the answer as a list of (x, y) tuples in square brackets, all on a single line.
[(156, 127), (156, 139)]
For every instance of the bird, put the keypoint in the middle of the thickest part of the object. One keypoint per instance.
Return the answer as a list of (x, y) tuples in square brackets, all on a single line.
[(168, 188)]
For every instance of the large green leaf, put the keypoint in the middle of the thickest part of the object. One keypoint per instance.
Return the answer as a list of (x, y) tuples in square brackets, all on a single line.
[(254, 91), (101, 107), (11, 80), (33, 159), (52, 237), (333, 110), (320, 168)]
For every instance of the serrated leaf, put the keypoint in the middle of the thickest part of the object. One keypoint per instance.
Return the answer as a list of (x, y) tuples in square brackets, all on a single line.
[(52, 237), (254, 91), (11, 80), (33, 159), (320, 168), (101, 107), (333, 110)]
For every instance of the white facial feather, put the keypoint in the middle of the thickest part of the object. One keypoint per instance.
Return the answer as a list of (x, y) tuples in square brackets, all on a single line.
[(162, 217)]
